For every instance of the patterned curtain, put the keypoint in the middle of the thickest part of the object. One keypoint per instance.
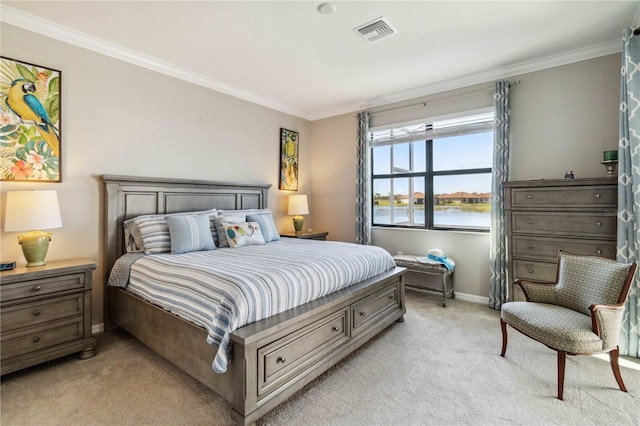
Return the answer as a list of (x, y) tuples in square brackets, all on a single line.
[(363, 181), (498, 288), (628, 181)]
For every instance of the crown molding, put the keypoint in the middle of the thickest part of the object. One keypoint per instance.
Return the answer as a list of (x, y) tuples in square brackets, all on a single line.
[(50, 29)]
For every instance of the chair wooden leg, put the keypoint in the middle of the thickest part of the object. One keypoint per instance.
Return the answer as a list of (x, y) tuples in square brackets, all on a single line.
[(562, 357), (613, 357), (503, 325)]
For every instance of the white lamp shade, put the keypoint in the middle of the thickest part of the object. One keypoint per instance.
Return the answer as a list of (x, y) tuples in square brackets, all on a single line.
[(32, 210), (298, 205)]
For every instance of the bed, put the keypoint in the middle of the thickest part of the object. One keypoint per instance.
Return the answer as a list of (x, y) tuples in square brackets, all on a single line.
[(269, 360)]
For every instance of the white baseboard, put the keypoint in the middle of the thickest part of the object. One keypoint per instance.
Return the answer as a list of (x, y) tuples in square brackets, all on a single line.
[(97, 328)]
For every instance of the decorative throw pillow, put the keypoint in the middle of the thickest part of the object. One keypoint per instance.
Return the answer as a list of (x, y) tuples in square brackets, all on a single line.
[(243, 234), (151, 232), (221, 219), (190, 233), (268, 227)]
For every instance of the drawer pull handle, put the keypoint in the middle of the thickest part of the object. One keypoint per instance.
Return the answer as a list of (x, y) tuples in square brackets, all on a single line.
[(335, 329), (362, 314), (36, 312), (531, 271), (598, 251), (281, 359), (36, 288), (530, 197), (596, 196), (391, 296), (530, 246), (530, 221), (36, 339), (598, 223)]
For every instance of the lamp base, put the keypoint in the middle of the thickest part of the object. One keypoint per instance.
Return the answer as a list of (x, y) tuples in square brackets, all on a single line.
[(298, 224), (35, 245)]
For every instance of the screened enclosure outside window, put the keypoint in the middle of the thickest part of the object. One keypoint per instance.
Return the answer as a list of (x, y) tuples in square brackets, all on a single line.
[(434, 176)]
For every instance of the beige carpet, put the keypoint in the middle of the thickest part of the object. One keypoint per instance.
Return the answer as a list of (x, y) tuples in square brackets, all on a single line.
[(440, 367)]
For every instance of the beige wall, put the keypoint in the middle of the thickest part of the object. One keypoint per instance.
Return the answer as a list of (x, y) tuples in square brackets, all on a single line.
[(561, 119), (122, 119)]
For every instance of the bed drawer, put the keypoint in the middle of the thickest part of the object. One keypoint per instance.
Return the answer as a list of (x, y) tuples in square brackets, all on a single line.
[(31, 314), (540, 248), (42, 286), (42, 337), (283, 359), (369, 309), (574, 224)]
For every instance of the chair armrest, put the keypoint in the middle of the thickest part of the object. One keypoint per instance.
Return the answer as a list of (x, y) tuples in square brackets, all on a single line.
[(537, 291), (605, 322)]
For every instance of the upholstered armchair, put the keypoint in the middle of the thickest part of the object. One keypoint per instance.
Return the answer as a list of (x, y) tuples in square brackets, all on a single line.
[(580, 313)]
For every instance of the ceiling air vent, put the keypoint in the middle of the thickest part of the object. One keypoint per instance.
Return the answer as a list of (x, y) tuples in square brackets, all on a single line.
[(376, 29)]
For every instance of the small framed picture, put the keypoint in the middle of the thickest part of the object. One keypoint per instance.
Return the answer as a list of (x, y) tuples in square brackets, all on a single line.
[(289, 159)]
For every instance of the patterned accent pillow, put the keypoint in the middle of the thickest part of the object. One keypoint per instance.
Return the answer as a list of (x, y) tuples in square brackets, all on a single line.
[(243, 234), (221, 219), (268, 227), (151, 232), (190, 233)]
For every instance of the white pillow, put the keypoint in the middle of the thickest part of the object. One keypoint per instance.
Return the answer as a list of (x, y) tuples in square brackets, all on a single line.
[(243, 234)]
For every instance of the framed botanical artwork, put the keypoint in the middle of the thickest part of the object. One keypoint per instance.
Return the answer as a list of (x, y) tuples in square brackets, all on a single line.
[(288, 160), (30, 142)]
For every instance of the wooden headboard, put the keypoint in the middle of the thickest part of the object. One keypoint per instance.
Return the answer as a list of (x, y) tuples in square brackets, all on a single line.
[(130, 196)]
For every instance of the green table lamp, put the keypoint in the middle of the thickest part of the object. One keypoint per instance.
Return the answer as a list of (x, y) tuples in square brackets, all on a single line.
[(33, 211), (298, 206)]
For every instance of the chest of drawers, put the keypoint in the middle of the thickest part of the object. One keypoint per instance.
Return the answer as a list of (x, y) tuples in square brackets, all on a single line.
[(45, 313), (544, 216)]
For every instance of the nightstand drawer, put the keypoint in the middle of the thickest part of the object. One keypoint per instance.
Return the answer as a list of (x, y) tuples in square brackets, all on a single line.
[(41, 337), (30, 314), (42, 286)]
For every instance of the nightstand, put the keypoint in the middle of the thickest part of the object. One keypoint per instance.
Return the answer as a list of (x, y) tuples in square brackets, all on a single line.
[(307, 235), (45, 313)]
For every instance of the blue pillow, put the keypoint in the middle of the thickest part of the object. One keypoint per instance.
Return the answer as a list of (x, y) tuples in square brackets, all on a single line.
[(190, 233), (265, 220)]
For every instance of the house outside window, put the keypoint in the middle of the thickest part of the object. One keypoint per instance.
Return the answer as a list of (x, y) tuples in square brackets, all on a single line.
[(435, 175)]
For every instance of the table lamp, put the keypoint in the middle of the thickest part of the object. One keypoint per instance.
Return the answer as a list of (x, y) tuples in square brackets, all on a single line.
[(32, 211), (298, 206)]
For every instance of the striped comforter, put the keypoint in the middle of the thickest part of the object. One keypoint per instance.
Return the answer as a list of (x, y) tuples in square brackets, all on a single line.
[(227, 288)]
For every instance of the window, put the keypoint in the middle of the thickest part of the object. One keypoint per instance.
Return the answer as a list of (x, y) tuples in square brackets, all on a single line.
[(435, 175)]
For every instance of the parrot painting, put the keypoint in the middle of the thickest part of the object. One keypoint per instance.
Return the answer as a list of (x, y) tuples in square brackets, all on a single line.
[(26, 105)]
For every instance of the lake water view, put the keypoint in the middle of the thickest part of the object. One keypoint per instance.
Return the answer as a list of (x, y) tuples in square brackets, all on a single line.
[(449, 217)]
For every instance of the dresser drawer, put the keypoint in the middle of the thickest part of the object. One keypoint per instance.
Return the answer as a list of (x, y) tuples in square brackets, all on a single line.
[(41, 337), (29, 314), (366, 311), (537, 271), (42, 286), (565, 197), (596, 225), (284, 358), (540, 248)]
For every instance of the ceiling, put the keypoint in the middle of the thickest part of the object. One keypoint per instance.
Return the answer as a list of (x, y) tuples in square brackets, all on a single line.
[(287, 56)]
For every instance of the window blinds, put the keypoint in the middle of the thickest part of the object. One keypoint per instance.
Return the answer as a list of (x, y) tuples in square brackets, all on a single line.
[(477, 123)]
